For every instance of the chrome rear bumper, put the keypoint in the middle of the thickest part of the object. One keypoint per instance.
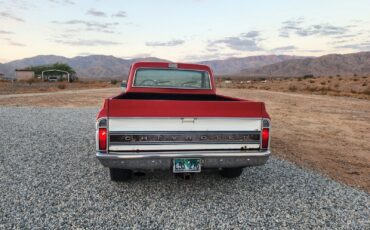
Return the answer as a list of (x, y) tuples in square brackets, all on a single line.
[(163, 160)]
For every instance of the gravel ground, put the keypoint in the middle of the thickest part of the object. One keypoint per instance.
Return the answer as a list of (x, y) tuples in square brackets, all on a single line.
[(50, 178)]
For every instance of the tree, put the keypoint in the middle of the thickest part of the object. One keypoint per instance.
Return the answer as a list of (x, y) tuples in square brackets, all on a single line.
[(57, 66)]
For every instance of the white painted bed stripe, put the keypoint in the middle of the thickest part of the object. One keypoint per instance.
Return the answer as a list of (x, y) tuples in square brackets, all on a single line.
[(178, 124)]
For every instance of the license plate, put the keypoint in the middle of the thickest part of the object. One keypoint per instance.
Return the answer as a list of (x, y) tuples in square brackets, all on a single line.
[(186, 165)]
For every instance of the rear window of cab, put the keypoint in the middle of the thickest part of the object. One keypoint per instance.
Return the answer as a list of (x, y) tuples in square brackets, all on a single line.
[(172, 78)]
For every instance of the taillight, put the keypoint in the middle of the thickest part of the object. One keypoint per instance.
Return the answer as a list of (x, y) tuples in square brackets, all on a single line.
[(265, 134), (102, 138), (265, 138)]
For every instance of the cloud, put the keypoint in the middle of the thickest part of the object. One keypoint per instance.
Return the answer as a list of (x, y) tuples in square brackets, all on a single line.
[(290, 25), (10, 16), (69, 2), (284, 49), (251, 34), (96, 13), (5, 32), (85, 54), (106, 27), (168, 43), (314, 51), (82, 42), (364, 46), (137, 56), (120, 14), (14, 43), (244, 42), (296, 27), (17, 44), (207, 57)]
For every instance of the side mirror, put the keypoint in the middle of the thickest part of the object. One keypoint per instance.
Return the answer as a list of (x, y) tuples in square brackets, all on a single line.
[(123, 86)]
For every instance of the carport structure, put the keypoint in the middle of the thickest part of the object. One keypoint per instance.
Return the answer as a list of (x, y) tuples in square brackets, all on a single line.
[(56, 70)]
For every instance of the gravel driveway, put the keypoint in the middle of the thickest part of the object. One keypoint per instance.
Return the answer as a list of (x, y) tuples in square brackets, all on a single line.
[(50, 178)]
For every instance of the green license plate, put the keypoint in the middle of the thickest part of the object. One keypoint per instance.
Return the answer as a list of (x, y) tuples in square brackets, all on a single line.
[(181, 165)]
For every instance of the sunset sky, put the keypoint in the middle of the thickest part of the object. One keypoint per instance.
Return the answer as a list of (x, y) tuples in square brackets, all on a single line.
[(183, 30)]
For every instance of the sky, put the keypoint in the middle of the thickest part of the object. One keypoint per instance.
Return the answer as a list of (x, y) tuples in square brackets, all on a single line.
[(182, 30)]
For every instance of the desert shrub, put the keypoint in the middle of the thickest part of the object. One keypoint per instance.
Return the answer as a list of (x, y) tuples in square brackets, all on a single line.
[(338, 75), (292, 88), (113, 82), (31, 80), (312, 89), (61, 86), (330, 77), (336, 85), (353, 91), (323, 83), (367, 91), (312, 81), (355, 75), (3, 80), (329, 81), (308, 76), (364, 84), (340, 79), (299, 79), (355, 79)]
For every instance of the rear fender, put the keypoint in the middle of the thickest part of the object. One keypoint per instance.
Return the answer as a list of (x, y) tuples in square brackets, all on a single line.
[(104, 110)]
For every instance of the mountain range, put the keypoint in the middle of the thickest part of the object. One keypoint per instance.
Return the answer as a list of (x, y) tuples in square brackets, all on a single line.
[(91, 67), (235, 65), (332, 64), (110, 67)]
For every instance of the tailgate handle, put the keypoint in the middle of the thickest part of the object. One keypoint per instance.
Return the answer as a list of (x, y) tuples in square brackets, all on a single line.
[(188, 120)]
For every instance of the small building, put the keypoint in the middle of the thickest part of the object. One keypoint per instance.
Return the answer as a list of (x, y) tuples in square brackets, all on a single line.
[(24, 74), (56, 75)]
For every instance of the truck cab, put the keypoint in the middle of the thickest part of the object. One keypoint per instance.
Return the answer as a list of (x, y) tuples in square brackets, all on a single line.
[(171, 118)]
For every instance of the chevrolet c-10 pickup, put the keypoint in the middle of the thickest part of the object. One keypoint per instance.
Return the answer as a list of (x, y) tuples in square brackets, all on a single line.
[(170, 117)]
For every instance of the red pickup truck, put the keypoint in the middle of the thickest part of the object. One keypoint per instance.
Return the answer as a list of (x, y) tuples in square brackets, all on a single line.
[(170, 117)]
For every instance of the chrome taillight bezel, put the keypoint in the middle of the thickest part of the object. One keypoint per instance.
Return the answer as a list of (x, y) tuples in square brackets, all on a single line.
[(265, 124), (101, 123)]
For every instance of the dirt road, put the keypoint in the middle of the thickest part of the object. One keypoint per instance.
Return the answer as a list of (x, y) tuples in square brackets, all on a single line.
[(330, 134)]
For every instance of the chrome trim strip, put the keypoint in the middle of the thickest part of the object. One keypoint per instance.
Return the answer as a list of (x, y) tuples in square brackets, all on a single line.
[(183, 134), (180, 154)]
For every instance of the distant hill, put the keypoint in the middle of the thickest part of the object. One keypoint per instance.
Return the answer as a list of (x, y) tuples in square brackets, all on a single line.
[(235, 65), (92, 67), (110, 67), (332, 64)]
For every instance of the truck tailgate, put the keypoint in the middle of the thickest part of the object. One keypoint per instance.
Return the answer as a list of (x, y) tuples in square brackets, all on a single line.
[(141, 125)]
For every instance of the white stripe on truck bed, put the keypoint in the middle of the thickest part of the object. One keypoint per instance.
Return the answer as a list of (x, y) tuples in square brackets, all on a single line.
[(184, 124)]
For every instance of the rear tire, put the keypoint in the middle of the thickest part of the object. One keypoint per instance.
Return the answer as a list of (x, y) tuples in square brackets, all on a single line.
[(120, 174), (231, 172)]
